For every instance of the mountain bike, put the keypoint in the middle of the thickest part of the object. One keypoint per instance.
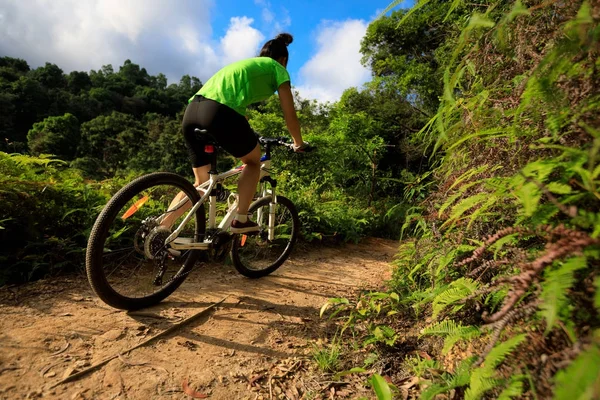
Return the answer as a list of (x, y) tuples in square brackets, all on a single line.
[(153, 232)]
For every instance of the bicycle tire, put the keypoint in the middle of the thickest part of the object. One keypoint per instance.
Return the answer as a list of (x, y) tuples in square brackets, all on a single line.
[(247, 247), (96, 254)]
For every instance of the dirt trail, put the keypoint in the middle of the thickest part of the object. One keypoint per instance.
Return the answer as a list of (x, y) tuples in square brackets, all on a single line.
[(51, 328)]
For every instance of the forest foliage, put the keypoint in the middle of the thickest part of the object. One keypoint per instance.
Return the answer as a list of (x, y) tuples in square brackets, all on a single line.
[(79, 136), (477, 142), (498, 269)]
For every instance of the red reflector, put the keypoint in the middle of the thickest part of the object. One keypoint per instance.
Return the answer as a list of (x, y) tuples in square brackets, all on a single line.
[(209, 148)]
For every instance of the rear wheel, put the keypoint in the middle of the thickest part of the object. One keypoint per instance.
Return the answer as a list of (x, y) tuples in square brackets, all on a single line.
[(127, 262), (256, 255)]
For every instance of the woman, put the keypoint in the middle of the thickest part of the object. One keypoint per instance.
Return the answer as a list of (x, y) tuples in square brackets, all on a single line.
[(220, 107)]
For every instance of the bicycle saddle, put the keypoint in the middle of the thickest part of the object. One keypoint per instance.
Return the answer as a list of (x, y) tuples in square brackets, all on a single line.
[(206, 136)]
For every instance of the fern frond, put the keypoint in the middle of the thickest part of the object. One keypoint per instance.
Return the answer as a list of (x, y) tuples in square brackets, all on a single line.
[(432, 391), (456, 291), (494, 132), (479, 384), (484, 377), (555, 288), (449, 202), (443, 262), (453, 7), (528, 196), (470, 173), (514, 388), (499, 353), (464, 206), (481, 210), (415, 8), (452, 333), (580, 379)]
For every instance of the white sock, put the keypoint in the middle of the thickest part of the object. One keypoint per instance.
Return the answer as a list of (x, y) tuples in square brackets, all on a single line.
[(241, 217)]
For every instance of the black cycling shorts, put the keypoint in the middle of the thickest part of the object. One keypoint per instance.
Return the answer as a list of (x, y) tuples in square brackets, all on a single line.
[(230, 129)]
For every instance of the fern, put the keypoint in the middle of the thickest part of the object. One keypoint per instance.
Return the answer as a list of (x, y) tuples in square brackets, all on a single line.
[(529, 196), (472, 172), (456, 291), (579, 381), (508, 239), (443, 262), (452, 333), (484, 378), (555, 288), (514, 388), (481, 211), (464, 206)]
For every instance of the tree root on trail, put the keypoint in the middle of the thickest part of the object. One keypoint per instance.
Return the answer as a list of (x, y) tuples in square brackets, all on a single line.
[(166, 332)]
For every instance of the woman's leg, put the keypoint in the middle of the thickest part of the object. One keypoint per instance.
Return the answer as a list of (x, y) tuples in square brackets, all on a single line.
[(201, 176), (248, 179)]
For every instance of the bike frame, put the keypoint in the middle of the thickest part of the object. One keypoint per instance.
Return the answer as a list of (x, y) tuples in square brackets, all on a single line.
[(207, 191)]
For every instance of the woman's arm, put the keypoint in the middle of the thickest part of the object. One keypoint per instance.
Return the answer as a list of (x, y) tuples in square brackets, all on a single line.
[(289, 112)]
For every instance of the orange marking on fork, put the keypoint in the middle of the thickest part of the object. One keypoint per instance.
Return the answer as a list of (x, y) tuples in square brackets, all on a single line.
[(243, 241)]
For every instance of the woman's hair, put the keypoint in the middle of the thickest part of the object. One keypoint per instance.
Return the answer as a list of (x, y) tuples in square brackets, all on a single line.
[(277, 48)]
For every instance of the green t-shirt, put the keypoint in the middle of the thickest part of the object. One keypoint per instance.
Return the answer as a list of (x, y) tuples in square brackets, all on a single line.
[(245, 82)]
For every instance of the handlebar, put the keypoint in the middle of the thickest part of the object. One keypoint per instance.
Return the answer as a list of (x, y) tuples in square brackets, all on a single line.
[(284, 142)]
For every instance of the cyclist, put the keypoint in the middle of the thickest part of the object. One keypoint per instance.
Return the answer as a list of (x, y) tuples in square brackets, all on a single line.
[(220, 107)]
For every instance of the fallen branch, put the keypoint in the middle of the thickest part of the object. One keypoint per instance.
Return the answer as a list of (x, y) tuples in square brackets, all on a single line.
[(166, 332)]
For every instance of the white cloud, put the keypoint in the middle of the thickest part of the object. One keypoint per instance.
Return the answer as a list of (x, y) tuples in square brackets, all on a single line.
[(277, 22), (283, 22), (173, 37), (241, 40), (267, 15), (336, 65)]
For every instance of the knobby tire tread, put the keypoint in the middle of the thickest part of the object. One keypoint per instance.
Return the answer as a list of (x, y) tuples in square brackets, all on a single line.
[(239, 264), (95, 248)]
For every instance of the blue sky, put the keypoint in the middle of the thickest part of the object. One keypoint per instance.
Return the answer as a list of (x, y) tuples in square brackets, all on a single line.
[(195, 37)]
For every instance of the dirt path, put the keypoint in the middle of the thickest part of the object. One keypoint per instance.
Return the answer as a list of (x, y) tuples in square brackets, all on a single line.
[(264, 328)]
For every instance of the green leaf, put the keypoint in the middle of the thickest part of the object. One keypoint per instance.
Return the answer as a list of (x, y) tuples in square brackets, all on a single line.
[(480, 21), (498, 353), (381, 387), (354, 370), (452, 333), (484, 378), (579, 381), (465, 205), (331, 302), (555, 288), (517, 10), (529, 196), (514, 388), (559, 188), (453, 7)]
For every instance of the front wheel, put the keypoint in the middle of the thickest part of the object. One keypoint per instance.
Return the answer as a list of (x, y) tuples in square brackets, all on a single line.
[(128, 263), (257, 255)]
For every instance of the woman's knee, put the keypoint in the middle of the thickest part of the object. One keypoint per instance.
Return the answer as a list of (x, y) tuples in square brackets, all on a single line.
[(252, 158)]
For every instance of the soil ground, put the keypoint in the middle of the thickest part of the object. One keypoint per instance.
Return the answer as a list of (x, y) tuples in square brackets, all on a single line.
[(255, 344)]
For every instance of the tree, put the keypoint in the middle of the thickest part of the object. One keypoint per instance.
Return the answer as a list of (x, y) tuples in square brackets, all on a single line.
[(55, 135), (78, 82), (50, 76), (408, 57), (114, 139)]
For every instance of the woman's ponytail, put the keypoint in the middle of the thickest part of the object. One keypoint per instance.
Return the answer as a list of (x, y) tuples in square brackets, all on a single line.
[(277, 48)]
